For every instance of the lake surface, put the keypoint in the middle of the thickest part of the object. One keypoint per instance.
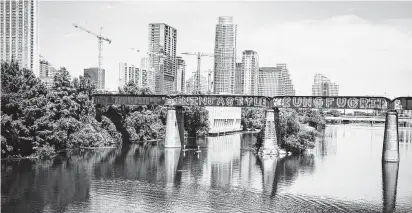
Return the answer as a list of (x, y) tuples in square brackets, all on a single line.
[(344, 173)]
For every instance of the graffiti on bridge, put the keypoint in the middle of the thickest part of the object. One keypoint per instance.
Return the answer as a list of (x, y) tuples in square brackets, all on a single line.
[(337, 102), (228, 101), (331, 102)]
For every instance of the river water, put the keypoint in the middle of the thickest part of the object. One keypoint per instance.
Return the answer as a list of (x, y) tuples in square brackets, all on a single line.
[(343, 173)]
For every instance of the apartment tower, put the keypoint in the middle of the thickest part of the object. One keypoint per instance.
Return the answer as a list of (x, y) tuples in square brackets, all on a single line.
[(225, 56), (18, 33), (162, 46), (250, 70)]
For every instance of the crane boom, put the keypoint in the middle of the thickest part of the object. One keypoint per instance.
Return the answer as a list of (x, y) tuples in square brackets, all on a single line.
[(100, 38), (90, 32), (199, 60)]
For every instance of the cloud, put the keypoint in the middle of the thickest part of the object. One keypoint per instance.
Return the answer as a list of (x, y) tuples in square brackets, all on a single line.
[(365, 58)]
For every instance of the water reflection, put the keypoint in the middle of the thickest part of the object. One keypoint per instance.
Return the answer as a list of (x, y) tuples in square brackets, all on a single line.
[(344, 173)]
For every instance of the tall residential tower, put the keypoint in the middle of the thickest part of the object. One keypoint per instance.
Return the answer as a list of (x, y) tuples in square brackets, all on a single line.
[(250, 69), (162, 45), (225, 56), (18, 33)]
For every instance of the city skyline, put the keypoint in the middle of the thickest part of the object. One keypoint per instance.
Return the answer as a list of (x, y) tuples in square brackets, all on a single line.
[(345, 41)]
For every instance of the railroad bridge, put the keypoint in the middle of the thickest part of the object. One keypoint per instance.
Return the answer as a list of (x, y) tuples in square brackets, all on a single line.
[(175, 129)]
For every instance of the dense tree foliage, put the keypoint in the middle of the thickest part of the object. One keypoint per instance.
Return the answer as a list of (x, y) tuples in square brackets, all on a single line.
[(296, 131), (196, 121), (36, 121), (252, 118)]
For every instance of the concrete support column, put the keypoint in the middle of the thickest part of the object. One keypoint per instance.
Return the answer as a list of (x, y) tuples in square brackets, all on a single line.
[(270, 142), (389, 185), (390, 151), (174, 128)]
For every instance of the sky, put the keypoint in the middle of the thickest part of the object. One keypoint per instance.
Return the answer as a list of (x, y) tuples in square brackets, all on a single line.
[(364, 47)]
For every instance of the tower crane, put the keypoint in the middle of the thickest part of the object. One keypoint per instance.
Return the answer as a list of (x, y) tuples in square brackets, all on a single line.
[(100, 57), (199, 59)]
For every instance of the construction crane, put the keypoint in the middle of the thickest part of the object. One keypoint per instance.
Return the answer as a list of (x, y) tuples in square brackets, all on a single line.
[(199, 59), (100, 57)]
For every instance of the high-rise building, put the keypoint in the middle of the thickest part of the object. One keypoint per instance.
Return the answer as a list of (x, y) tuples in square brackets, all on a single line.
[(180, 75), (285, 80), (225, 56), (142, 75), (92, 74), (190, 84), (46, 73), (250, 69), (322, 86), (269, 81), (162, 43), (239, 78), (275, 81), (18, 33)]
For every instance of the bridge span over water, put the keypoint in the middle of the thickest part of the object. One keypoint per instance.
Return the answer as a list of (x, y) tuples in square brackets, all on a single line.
[(174, 123)]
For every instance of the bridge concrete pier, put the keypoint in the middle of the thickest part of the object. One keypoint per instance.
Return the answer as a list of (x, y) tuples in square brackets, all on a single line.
[(390, 151), (270, 141), (389, 185), (174, 128)]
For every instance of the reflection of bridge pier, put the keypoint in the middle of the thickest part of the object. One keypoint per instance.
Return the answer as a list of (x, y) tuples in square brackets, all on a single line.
[(270, 175), (172, 163), (389, 185)]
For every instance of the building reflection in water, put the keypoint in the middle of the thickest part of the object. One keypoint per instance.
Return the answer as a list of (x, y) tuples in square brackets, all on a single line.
[(389, 185), (223, 159), (328, 144), (405, 134)]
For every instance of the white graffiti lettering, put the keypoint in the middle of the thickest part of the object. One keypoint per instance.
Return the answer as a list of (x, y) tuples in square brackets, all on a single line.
[(249, 101), (286, 102), (229, 101), (277, 102), (341, 102), (318, 102), (329, 102), (307, 102), (220, 101), (239, 101), (364, 103), (353, 103), (296, 102)]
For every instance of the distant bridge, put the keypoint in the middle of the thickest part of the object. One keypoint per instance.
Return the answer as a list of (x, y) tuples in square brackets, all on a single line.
[(175, 122), (367, 118)]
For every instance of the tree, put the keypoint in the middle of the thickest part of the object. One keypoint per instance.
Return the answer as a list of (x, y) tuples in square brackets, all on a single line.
[(196, 121), (37, 121), (252, 118)]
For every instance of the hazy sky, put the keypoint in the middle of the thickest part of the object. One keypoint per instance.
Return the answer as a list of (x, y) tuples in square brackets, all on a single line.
[(365, 47)]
